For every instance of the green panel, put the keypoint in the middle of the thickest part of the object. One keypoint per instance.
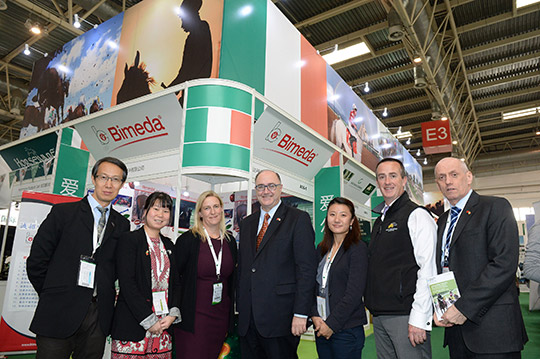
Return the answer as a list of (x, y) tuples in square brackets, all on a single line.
[(71, 170), (67, 136), (31, 152), (219, 96), (243, 45), (327, 186), (196, 124), (215, 155)]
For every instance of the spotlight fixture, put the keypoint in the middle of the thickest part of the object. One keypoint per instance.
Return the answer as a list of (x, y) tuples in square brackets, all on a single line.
[(435, 110), (399, 130), (454, 142), (26, 49), (420, 81), (418, 153), (35, 29), (425, 161), (385, 112), (76, 23), (417, 58), (462, 159), (408, 141), (366, 88), (537, 132), (395, 26)]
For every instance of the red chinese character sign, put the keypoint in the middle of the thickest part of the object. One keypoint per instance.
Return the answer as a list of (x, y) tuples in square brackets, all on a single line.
[(436, 137)]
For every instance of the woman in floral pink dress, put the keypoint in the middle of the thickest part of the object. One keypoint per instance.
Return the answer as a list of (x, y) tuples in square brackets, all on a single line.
[(148, 300)]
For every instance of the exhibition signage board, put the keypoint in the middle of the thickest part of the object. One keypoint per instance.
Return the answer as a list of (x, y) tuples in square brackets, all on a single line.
[(436, 137), (358, 183), (327, 186), (151, 126), (71, 169), (217, 132), (39, 151), (21, 299), (280, 140)]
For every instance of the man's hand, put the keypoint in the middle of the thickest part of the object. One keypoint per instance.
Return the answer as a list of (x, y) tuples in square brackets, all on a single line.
[(440, 323), (298, 326), (324, 330), (416, 335), (453, 316)]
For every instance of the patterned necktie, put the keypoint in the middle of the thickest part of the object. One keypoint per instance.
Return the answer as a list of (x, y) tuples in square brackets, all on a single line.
[(454, 213), (263, 230), (102, 222)]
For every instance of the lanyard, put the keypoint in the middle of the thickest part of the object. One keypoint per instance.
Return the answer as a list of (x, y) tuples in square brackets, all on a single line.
[(160, 257), (97, 241), (327, 265), (217, 259)]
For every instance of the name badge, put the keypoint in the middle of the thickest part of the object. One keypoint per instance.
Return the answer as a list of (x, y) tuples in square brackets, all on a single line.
[(217, 293), (321, 307), (160, 303), (87, 272), (445, 269)]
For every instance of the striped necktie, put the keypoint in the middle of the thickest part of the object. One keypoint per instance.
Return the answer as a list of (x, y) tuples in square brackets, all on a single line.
[(262, 231), (454, 213), (102, 222)]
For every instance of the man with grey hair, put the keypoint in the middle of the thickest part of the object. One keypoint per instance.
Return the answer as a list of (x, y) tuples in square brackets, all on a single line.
[(477, 240)]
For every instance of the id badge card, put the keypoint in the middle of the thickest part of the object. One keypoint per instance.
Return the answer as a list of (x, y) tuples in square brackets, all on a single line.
[(321, 307), (217, 293), (160, 303), (87, 272), (445, 269)]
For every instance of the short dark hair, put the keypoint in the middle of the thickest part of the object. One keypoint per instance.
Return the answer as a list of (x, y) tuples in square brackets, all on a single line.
[(391, 159), (114, 161), (274, 172), (354, 234)]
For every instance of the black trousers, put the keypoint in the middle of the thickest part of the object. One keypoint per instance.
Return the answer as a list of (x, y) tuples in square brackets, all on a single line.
[(88, 342), (254, 346), (458, 348)]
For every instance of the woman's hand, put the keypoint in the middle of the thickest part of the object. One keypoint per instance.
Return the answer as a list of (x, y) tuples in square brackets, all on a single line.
[(166, 322), (156, 329)]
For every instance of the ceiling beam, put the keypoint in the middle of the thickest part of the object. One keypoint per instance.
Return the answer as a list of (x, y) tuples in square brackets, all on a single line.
[(504, 139), (353, 36), (502, 42), (331, 13), (505, 62), (378, 75), (495, 19), (375, 94), (27, 5), (506, 95), (510, 78), (518, 106), (394, 119)]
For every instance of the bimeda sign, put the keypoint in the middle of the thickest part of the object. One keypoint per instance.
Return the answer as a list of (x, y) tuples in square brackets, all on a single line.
[(150, 126), (279, 141)]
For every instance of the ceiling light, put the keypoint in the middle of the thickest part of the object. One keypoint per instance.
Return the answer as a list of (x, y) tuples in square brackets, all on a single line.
[(444, 118), (425, 161), (418, 153), (454, 142), (185, 193), (402, 135), (76, 23), (537, 132), (395, 26), (419, 77), (520, 113), (339, 55), (417, 58), (35, 29), (462, 159), (366, 88), (399, 130), (522, 3), (408, 141), (385, 112), (26, 49)]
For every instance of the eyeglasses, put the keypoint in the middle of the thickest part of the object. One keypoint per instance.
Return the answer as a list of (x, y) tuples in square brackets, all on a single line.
[(116, 181), (271, 187)]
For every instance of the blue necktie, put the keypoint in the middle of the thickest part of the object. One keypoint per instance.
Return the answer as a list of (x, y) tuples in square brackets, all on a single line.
[(454, 213)]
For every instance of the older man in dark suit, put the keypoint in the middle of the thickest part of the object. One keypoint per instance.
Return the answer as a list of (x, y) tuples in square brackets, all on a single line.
[(72, 267), (478, 241), (277, 268)]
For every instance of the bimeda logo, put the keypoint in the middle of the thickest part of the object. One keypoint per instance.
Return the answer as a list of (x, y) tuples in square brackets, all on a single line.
[(136, 132), (288, 147)]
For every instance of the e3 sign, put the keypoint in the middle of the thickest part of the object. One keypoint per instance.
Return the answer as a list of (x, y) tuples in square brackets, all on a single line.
[(436, 137)]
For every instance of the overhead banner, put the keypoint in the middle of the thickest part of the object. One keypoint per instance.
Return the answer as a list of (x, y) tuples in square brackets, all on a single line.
[(21, 299), (39, 151), (436, 137), (278, 140), (152, 126)]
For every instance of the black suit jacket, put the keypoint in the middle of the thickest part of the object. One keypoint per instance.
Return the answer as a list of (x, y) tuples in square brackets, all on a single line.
[(484, 256), (187, 256), (134, 275), (346, 285), (278, 280), (53, 266)]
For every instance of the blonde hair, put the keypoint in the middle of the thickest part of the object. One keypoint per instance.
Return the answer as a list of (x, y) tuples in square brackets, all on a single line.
[(198, 228)]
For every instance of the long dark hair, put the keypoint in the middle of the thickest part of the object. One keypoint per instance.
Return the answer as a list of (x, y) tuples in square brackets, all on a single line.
[(164, 201), (353, 236)]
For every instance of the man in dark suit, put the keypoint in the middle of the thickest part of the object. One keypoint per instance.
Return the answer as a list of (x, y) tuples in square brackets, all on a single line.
[(478, 241), (72, 267), (277, 268)]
